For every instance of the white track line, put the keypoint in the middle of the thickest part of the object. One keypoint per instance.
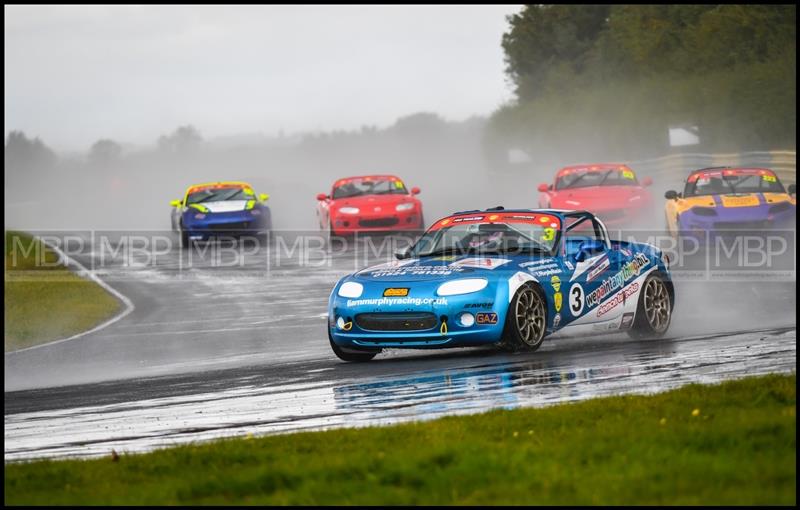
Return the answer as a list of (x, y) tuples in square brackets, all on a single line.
[(82, 271)]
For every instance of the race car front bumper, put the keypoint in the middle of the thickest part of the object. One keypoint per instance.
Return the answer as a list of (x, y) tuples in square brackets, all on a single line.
[(419, 321)]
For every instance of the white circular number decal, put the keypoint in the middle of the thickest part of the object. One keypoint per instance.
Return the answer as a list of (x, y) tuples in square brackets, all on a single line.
[(576, 299)]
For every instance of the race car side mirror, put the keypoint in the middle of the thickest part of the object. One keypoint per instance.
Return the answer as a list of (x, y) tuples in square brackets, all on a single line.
[(792, 189), (403, 254), (263, 197), (322, 196), (588, 249), (543, 188), (671, 195), (415, 190), (647, 181), (176, 203)]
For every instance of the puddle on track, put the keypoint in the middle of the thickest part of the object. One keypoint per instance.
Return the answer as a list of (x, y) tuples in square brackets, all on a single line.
[(548, 377)]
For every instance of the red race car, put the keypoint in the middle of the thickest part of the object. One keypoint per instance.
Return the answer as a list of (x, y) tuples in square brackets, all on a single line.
[(610, 191), (370, 203)]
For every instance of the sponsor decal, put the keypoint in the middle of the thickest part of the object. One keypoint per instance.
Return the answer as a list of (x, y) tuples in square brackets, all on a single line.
[(569, 265), (617, 281), (444, 258), (748, 201), (501, 217), (619, 298), (417, 271), (576, 299), (626, 252), (546, 272), (538, 262), (544, 268), (556, 320), (480, 262), (486, 318), (215, 185), (479, 305), (627, 320), (467, 218), (395, 292), (598, 269), (555, 282), (386, 301)]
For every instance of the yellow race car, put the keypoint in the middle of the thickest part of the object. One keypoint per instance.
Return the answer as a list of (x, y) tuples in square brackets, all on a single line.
[(720, 200)]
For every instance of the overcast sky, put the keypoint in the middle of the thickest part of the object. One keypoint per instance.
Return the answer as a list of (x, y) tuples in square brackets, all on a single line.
[(74, 74)]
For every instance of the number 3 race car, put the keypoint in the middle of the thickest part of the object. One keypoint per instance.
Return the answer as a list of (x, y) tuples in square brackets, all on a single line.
[(220, 209), (504, 277)]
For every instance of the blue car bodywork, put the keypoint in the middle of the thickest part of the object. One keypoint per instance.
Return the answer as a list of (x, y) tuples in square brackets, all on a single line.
[(244, 214), (590, 283)]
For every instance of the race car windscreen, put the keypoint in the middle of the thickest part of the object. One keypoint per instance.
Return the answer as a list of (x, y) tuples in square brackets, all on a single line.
[(219, 195), (732, 182), (587, 177), (494, 233), (359, 187)]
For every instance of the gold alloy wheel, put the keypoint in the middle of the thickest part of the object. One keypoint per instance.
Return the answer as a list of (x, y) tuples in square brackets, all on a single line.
[(530, 316)]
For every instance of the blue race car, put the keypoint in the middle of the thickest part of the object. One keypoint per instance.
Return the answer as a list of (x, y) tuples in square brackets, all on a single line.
[(217, 209), (503, 277)]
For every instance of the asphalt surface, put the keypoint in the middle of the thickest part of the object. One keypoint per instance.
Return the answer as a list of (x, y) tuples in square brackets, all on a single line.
[(233, 345)]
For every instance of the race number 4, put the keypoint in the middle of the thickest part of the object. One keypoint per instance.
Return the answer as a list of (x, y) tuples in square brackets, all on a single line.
[(576, 299)]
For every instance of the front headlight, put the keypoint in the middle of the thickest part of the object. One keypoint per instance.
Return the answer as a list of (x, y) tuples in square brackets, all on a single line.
[(349, 210), (351, 290), (463, 286), (404, 207)]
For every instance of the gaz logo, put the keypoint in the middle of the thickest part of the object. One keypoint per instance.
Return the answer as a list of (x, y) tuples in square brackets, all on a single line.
[(576, 299), (390, 292), (486, 318)]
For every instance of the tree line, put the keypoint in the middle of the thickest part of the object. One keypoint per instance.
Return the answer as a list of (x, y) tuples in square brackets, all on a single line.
[(594, 80)]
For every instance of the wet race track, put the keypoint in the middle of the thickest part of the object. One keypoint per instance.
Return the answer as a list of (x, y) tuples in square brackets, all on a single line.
[(210, 351)]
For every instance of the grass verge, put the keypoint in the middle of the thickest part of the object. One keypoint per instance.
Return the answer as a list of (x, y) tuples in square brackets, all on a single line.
[(45, 301), (732, 443)]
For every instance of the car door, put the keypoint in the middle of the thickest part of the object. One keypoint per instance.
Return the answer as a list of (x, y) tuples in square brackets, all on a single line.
[(587, 249)]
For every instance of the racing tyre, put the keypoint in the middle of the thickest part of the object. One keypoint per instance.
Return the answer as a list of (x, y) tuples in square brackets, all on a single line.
[(349, 354), (654, 311), (526, 320)]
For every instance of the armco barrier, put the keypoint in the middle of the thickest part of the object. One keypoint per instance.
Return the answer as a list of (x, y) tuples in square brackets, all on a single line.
[(672, 170)]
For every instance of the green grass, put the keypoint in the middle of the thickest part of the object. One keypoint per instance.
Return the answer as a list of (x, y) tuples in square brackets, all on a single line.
[(45, 301), (739, 449)]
